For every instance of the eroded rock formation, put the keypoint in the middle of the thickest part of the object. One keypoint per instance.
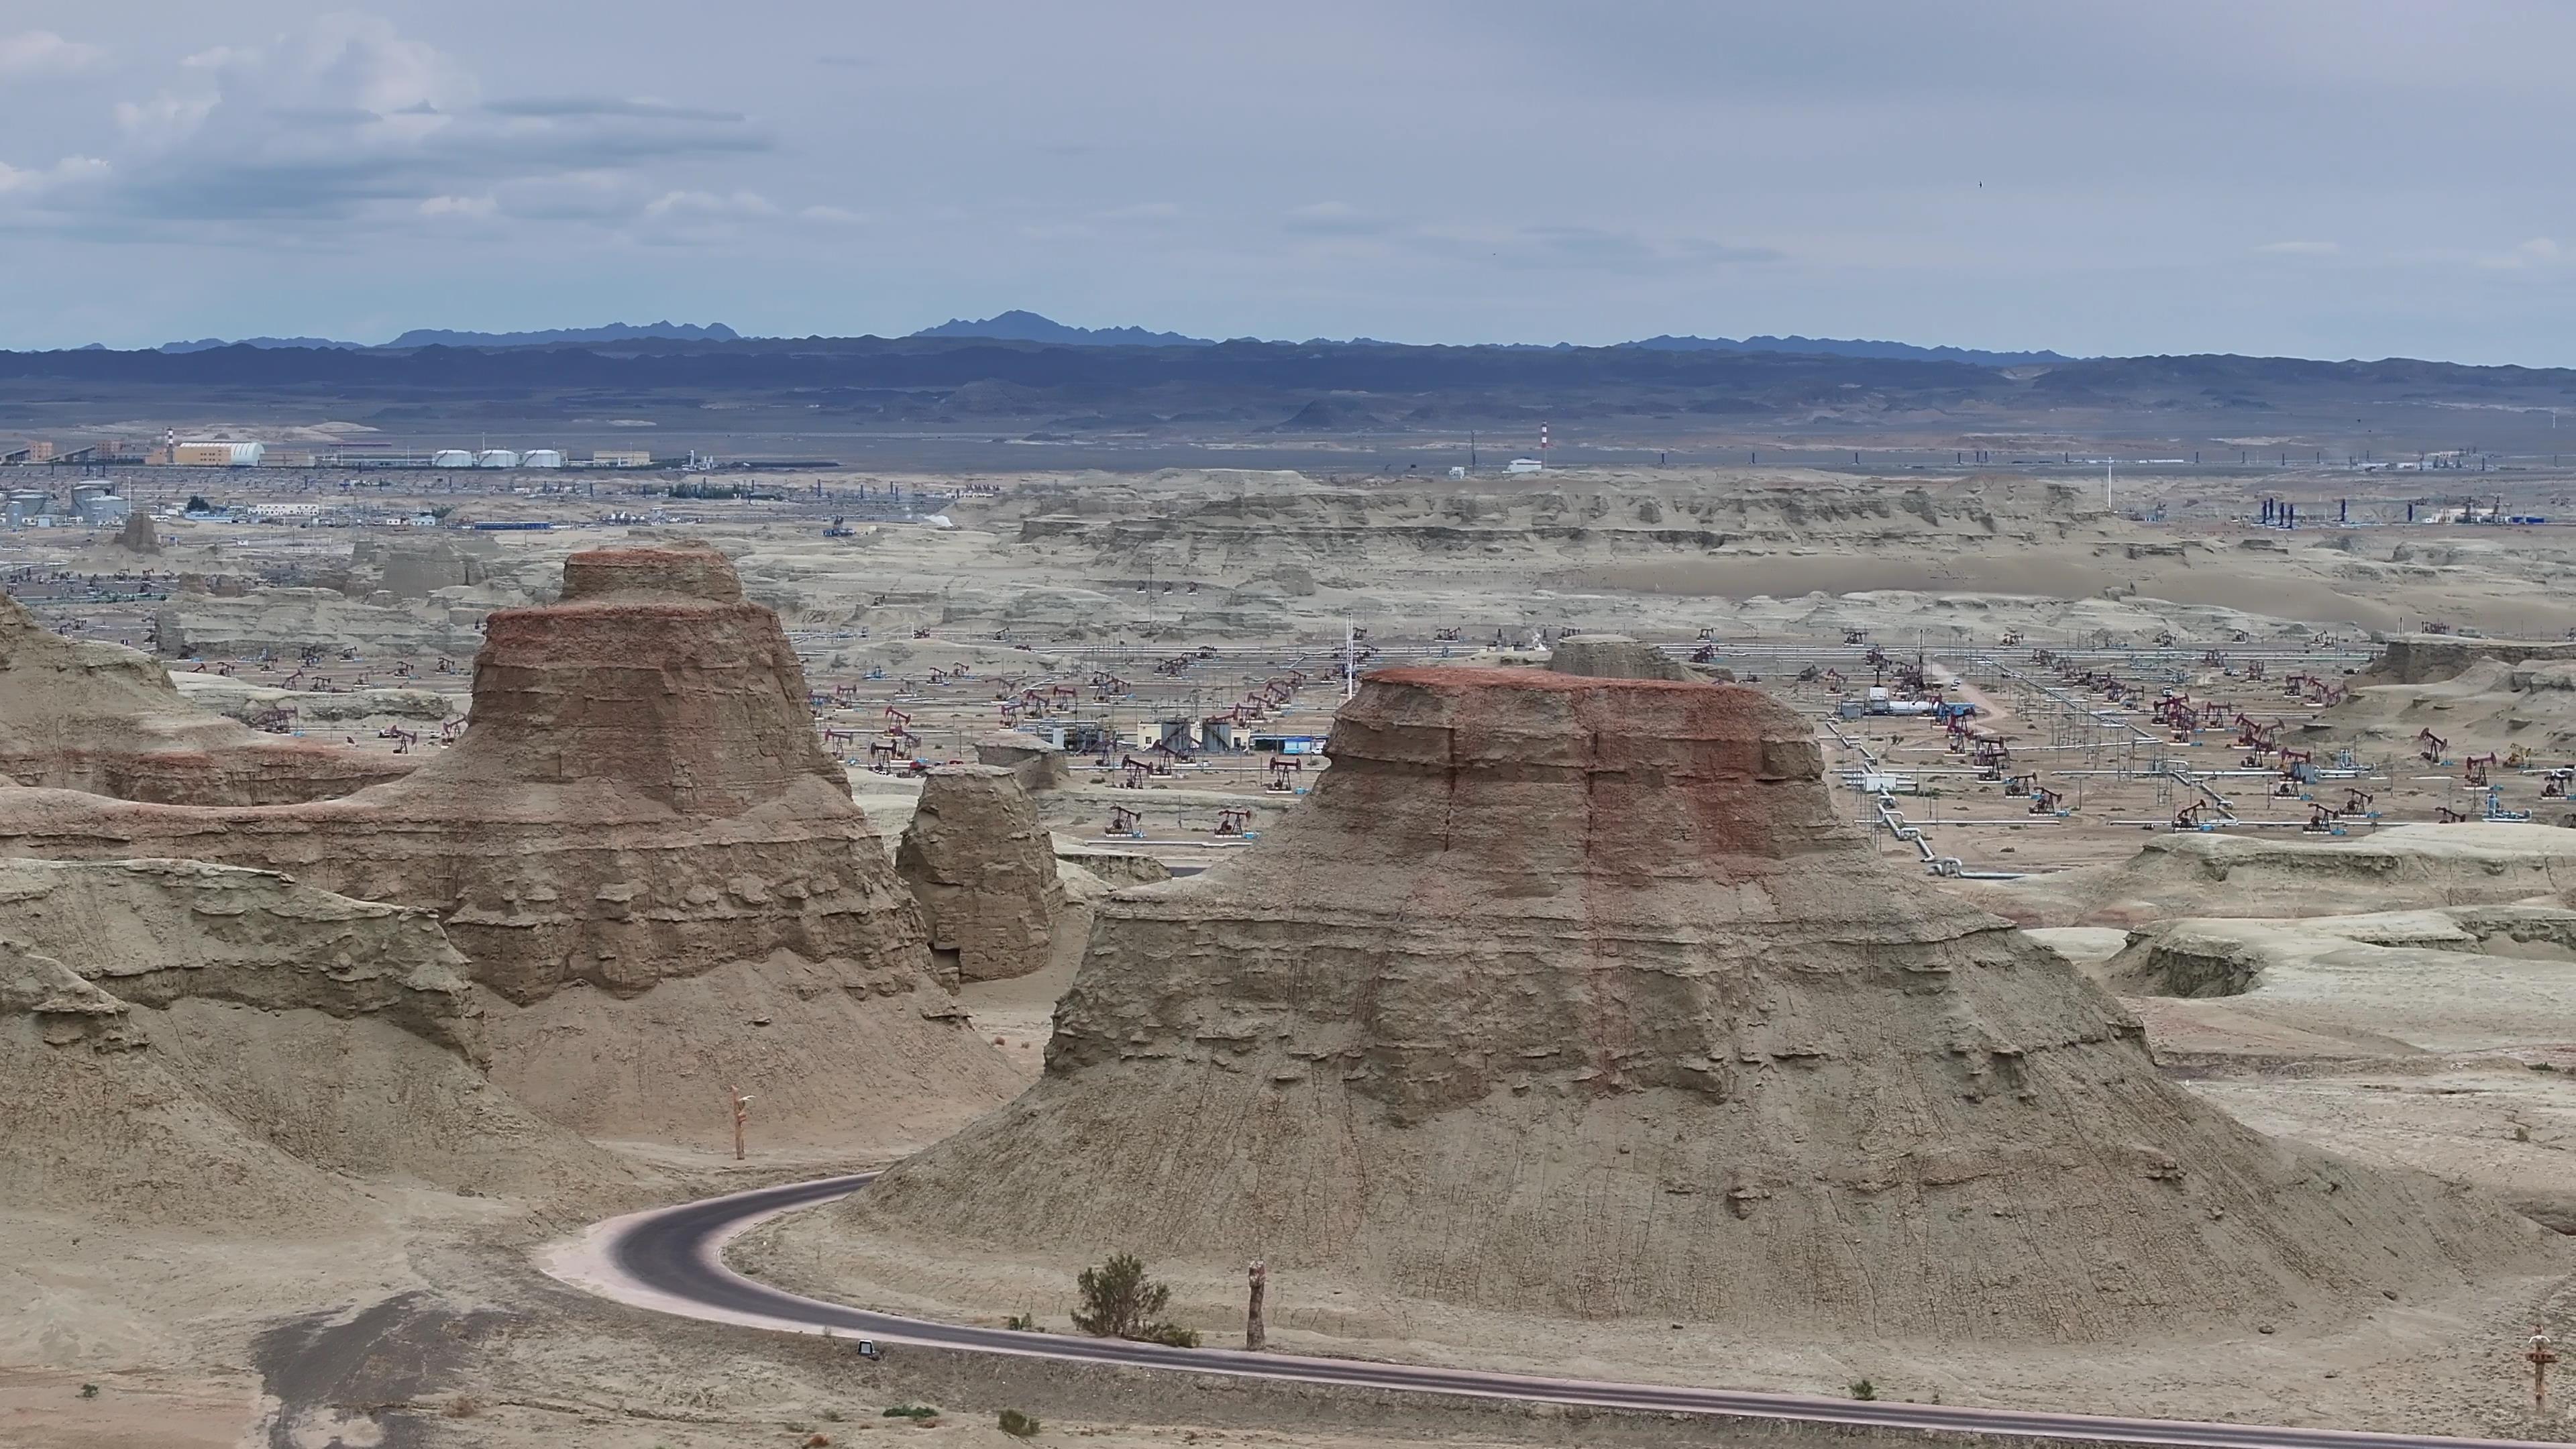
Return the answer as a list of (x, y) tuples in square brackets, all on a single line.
[(1616, 656), (138, 535), (1038, 764), (2401, 867), (201, 1044), (82, 715), (1573, 997), (645, 855), (983, 868)]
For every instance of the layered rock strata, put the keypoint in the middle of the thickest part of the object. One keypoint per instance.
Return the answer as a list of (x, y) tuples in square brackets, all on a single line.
[(639, 802), (1616, 656), (101, 718), (198, 1044), (984, 870), (1572, 997)]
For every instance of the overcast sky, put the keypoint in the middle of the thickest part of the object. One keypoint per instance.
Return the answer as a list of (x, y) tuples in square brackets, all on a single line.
[(2325, 178)]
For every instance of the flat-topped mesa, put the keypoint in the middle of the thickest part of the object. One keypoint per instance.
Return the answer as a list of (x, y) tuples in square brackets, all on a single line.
[(639, 806), (1571, 996), (658, 575), (653, 674), (1616, 656), (1555, 777)]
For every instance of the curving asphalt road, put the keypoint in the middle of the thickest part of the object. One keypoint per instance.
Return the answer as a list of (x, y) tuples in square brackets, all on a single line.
[(671, 1260)]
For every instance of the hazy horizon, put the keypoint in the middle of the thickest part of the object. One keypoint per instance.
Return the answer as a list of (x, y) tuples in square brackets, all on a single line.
[(2295, 179)]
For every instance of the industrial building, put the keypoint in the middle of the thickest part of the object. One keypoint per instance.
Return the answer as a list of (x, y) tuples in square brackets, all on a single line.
[(218, 455), (96, 505), (636, 459), (451, 458), (496, 458)]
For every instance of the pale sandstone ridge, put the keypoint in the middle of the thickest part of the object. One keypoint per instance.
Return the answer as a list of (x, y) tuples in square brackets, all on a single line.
[(206, 1046), (639, 806), (1038, 764), (80, 715), (1573, 997), (2403, 867), (2431, 658), (984, 870), (1616, 656)]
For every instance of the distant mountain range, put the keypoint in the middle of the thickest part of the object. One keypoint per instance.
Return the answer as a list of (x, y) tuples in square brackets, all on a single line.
[(1023, 326), (1019, 326), (440, 337), (1846, 347), (209, 344)]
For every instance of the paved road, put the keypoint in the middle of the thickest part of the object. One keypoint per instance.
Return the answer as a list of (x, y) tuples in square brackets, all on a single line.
[(670, 1260)]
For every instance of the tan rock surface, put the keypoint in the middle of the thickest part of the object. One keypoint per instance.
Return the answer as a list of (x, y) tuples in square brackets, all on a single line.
[(1039, 765), (984, 870), (639, 799), (1573, 998), (2194, 874), (77, 715), (212, 1047), (1616, 656)]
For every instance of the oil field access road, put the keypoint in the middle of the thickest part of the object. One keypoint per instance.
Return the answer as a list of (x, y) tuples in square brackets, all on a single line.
[(671, 1260)]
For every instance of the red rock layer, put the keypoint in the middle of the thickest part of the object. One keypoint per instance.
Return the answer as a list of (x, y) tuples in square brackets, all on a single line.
[(1572, 997)]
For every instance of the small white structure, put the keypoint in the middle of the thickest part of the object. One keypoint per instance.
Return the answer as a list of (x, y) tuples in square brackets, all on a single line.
[(1524, 465), (541, 458), (284, 512), (451, 458), (496, 458)]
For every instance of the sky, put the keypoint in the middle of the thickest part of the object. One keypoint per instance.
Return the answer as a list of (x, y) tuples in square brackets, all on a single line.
[(2320, 178)]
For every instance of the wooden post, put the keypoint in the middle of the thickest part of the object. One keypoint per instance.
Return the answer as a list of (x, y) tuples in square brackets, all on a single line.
[(2541, 1357), (1256, 1333), (741, 1110)]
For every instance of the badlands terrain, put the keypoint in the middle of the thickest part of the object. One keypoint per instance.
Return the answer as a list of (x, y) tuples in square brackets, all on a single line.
[(1770, 929)]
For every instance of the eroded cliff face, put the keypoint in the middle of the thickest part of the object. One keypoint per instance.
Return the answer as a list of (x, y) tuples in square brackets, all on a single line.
[(208, 1046), (983, 868), (1220, 520), (101, 718), (1573, 996), (638, 801)]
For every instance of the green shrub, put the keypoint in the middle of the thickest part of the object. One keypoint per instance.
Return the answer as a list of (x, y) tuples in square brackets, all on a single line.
[(1864, 1389), (1119, 1301), (1023, 1323), (911, 1411), (1019, 1425)]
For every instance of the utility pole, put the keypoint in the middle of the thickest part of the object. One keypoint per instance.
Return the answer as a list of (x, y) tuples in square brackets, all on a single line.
[(2541, 1357), (1256, 1330), (741, 1113)]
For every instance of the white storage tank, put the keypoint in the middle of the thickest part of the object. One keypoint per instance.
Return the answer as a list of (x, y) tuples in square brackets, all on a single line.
[(451, 458), (541, 458), (496, 458)]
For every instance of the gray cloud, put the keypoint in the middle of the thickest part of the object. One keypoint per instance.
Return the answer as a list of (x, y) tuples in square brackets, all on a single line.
[(2160, 178), (350, 120), (563, 106), (46, 53)]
